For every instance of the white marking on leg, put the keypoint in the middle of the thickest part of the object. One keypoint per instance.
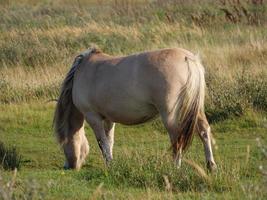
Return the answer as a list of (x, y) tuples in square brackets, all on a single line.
[(208, 149), (109, 130), (178, 159)]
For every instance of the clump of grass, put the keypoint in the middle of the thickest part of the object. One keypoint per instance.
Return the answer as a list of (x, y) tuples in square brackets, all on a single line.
[(9, 157), (159, 173), (141, 171)]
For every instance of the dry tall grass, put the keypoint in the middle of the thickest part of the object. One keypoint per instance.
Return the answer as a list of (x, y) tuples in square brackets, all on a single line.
[(38, 41)]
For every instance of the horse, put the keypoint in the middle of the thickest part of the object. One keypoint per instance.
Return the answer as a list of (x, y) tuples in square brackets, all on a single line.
[(104, 90)]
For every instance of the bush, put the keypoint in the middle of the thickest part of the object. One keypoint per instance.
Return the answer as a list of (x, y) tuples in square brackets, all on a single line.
[(254, 89), (223, 99), (9, 157), (228, 97)]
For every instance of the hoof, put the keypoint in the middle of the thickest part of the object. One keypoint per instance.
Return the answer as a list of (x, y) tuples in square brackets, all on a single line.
[(69, 167), (108, 163), (212, 167), (66, 166)]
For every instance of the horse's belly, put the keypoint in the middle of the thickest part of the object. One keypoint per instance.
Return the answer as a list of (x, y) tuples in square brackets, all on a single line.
[(130, 116)]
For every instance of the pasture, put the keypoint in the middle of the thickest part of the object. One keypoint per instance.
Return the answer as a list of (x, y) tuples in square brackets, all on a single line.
[(38, 42)]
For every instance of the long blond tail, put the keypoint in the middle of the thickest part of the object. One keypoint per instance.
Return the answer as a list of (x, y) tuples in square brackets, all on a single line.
[(190, 102)]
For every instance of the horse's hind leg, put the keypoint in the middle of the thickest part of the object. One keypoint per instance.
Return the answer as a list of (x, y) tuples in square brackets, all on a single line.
[(177, 152), (105, 143), (170, 124), (203, 130)]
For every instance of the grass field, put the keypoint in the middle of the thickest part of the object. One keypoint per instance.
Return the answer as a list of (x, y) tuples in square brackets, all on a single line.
[(39, 40), (141, 161)]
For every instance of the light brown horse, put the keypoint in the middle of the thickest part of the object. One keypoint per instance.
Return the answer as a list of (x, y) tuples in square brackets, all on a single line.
[(105, 90)]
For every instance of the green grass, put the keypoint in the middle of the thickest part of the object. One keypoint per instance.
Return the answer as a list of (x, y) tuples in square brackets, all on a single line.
[(141, 160)]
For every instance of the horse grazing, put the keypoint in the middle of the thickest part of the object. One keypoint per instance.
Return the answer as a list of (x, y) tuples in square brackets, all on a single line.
[(105, 90)]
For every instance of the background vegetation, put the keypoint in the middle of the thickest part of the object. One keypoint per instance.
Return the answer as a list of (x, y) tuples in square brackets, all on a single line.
[(38, 42)]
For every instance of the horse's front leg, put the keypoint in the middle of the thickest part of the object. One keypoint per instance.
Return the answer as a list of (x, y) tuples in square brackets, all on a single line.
[(97, 124), (109, 130)]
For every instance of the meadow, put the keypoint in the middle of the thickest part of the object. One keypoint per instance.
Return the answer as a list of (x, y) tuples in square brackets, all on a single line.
[(38, 42)]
